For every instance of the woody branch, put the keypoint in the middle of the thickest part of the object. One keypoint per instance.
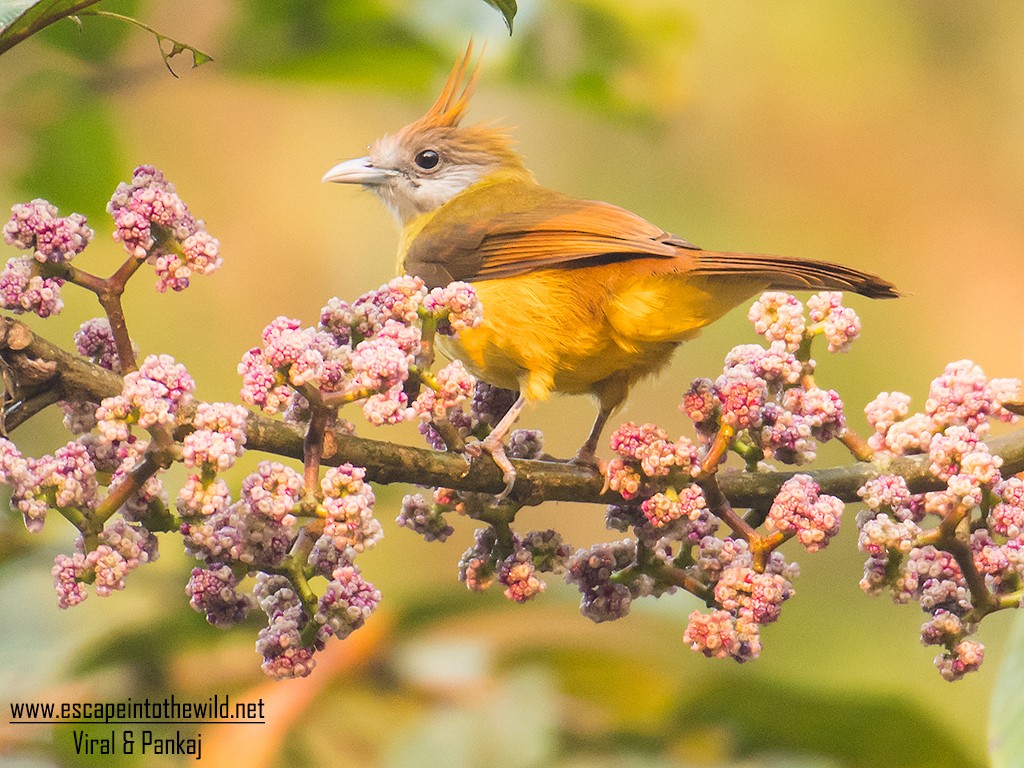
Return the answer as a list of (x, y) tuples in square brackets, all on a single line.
[(43, 373)]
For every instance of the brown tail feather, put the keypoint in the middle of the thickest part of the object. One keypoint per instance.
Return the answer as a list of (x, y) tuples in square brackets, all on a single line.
[(790, 274)]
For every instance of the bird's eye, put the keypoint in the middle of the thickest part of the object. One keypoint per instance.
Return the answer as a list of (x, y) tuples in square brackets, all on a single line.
[(427, 159)]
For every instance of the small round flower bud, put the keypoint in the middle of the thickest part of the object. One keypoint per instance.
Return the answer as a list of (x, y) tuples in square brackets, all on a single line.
[(22, 289), (960, 397), (741, 396), (741, 588), (944, 628), (966, 657), (490, 403), (477, 568), (840, 324), (349, 502), (886, 409), (346, 604), (425, 519), (779, 316), (700, 402), (457, 307), (212, 591), (881, 535), (592, 569)]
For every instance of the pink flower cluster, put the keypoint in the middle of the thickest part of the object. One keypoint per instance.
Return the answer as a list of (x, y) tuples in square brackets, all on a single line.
[(961, 403), (400, 299), (745, 599), (151, 395), (840, 325), (759, 596), (800, 510), (25, 285), (219, 436), (24, 289), (647, 448), (456, 307), (478, 565), (212, 591), (519, 575), (593, 570), (95, 340), (427, 519), (365, 352), (455, 385), (961, 397), (348, 502), (723, 635), (272, 492), (64, 480), (258, 529), (760, 392), (153, 223), (779, 317), (288, 650), (664, 508), (123, 547), (36, 227), (202, 499), (280, 642), (346, 604), (517, 566)]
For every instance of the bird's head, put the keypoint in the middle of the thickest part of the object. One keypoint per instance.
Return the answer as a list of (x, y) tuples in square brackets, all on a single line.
[(431, 160)]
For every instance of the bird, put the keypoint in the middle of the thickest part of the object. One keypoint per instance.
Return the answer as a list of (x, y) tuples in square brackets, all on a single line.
[(578, 296)]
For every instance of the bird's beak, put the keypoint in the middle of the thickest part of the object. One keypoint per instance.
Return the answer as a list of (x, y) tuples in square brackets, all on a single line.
[(358, 171)]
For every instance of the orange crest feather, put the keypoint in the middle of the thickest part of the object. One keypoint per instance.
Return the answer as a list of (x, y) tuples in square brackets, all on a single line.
[(451, 105)]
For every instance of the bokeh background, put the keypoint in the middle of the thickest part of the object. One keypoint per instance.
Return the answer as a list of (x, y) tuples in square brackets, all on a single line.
[(885, 135)]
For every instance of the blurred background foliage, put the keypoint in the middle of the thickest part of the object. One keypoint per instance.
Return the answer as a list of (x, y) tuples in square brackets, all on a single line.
[(881, 134)]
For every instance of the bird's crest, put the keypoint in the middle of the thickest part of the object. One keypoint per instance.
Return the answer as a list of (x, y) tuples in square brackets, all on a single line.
[(451, 105)]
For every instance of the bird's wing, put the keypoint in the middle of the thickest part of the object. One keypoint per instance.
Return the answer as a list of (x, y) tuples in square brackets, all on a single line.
[(504, 230), (510, 227)]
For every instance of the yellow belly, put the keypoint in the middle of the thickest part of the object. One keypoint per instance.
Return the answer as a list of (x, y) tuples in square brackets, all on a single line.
[(572, 330)]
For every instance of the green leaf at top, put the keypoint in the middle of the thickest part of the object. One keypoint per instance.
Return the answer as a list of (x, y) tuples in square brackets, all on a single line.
[(1005, 734), (20, 19), (507, 8), (10, 10)]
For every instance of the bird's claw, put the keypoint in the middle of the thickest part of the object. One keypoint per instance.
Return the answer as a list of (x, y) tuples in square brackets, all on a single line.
[(475, 448), (585, 458)]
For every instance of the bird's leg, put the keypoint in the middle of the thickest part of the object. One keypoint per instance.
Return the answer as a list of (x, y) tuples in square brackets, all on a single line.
[(587, 454), (610, 393), (494, 445)]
